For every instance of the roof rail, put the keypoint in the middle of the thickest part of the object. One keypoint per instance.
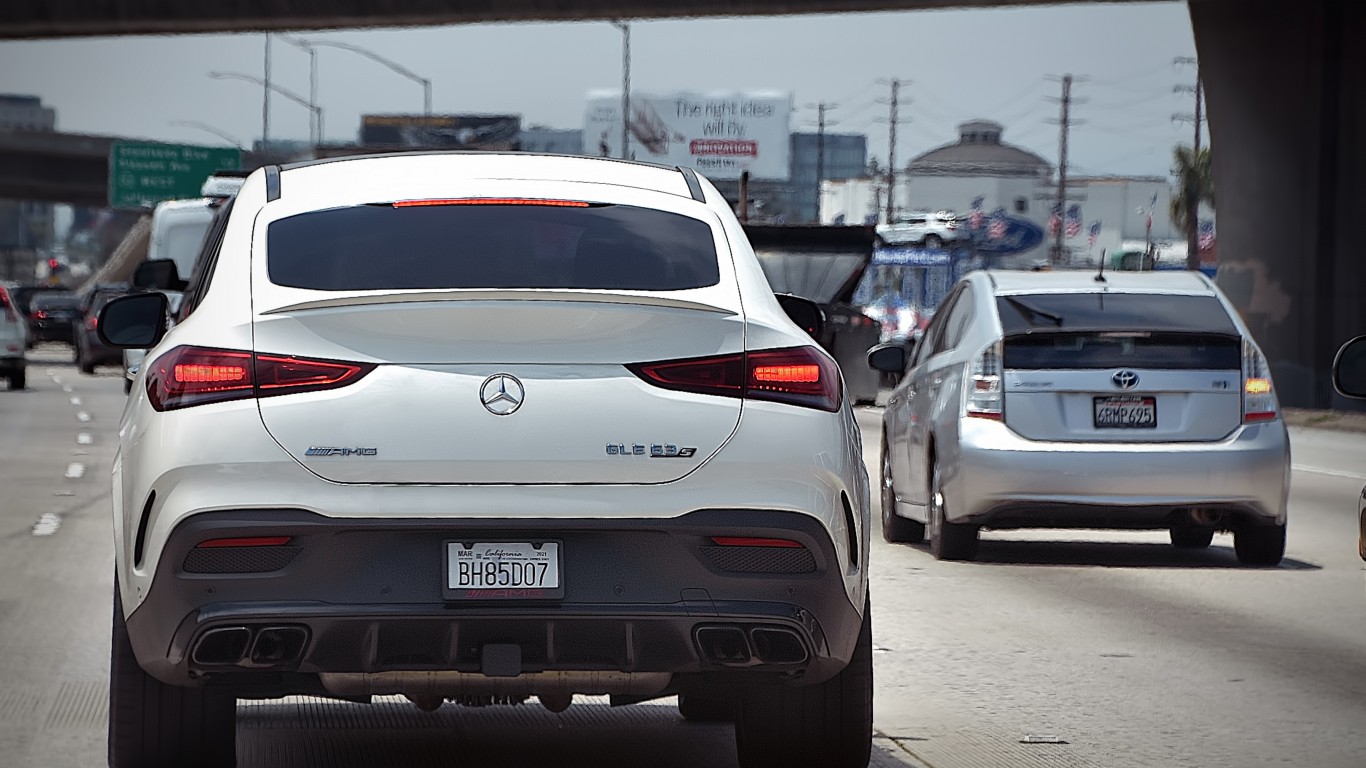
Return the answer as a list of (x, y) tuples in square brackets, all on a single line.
[(272, 183), (694, 186)]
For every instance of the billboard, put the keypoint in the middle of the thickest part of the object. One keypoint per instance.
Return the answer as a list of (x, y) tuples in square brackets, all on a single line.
[(488, 132), (719, 134)]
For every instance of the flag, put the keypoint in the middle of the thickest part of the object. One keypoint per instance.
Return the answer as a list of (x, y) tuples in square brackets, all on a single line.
[(1074, 221), (1095, 234), (976, 217), (1152, 206), (1206, 235), (1055, 219), (999, 223)]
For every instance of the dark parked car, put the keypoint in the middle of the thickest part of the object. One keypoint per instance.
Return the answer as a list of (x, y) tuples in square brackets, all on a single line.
[(90, 350), (825, 265), (53, 316)]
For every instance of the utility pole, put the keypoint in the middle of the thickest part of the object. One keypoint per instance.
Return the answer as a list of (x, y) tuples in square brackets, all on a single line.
[(820, 150), (1065, 122), (265, 103), (625, 88), (891, 151), (1193, 195)]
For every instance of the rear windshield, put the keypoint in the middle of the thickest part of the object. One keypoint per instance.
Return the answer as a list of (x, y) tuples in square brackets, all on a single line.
[(812, 274), (1030, 313), (63, 301), (378, 247), (1146, 350)]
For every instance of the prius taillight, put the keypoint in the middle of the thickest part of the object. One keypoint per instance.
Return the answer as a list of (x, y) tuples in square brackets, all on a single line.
[(188, 376), (794, 375)]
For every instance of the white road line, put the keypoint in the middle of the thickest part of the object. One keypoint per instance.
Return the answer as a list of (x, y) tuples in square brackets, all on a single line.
[(47, 524), (83, 416), (75, 470), (67, 388), (84, 438), (1329, 472), (75, 401)]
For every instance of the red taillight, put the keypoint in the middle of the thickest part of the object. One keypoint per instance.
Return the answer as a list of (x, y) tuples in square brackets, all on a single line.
[(188, 376), (39, 314), (249, 541), (751, 541), (491, 201), (92, 321), (795, 375)]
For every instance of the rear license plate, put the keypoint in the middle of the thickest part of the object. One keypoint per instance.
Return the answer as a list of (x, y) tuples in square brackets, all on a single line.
[(502, 570), (1125, 412)]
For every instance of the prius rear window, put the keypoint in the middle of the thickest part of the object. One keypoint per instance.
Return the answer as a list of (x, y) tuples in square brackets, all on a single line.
[(383, 247), (1100, 311)]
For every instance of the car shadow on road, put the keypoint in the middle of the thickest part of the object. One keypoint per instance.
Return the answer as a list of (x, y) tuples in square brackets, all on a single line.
[(1118, 554)]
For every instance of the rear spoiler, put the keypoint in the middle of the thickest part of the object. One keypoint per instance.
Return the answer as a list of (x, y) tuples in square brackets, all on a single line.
[(508, 294)]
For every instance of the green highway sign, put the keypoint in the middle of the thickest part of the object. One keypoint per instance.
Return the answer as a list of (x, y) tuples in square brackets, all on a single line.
[(142, 175)]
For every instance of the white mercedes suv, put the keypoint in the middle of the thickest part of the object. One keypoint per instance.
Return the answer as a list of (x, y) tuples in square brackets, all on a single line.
[(476, 428)]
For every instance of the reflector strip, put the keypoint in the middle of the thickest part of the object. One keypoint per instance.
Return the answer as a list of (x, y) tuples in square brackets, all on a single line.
[(491, 201), (250, 541), (749, 541), (787, 374)]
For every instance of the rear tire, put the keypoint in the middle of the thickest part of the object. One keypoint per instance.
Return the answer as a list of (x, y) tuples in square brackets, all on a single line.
[(701, 708), (896, 529), (1192, 538), (829, 724), (18, 379), (948, 541), (1260, 545), (154, 725), (127, 386)]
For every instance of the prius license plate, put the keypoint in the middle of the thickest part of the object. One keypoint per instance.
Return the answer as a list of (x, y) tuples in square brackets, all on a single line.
[(1125, 412), (503, 570)]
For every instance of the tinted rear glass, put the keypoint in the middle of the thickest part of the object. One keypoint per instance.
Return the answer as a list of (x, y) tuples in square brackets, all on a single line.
[(1161, 351), (378, 247), (63, 301), (1029, 313)]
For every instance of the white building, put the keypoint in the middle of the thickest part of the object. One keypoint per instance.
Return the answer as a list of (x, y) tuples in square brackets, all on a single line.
[(981, 164)]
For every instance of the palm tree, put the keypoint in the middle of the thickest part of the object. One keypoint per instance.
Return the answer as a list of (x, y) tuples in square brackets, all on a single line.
[(1194, 172)]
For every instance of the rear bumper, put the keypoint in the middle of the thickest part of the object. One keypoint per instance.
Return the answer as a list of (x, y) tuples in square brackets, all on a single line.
[(1002, 480), (365, 596)]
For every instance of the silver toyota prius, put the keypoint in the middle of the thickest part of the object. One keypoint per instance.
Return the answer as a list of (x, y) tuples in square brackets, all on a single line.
[(1077, 400)]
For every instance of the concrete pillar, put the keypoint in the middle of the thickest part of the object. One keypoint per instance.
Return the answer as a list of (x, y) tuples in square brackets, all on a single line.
[(1287, 108)]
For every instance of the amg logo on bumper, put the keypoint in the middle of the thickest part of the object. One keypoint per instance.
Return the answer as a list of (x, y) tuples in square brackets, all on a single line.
[(655, 451), (317, 451)]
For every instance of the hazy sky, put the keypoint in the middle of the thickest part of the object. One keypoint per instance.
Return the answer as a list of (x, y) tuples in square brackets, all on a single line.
[(961, 64)]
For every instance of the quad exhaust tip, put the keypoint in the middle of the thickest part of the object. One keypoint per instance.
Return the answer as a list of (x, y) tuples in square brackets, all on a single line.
[(269, 646), (734, 646)]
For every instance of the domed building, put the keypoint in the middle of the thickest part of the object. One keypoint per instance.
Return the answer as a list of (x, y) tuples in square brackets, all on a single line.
[(979, 151)]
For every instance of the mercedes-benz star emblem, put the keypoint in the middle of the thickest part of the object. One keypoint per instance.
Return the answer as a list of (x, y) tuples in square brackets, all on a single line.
[(502, 394), (1125, 379)]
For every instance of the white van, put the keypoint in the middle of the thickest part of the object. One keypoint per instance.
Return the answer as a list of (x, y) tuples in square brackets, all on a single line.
[(178, 228)]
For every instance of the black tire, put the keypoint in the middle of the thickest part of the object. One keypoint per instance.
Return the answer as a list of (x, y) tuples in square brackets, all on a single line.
[(154, 725), (701, 708), (18, 379), (1192, 538), (81, 363), (1260, 545), (948, 541), (829, 724), (127, 386), (896, 529), (933, 241)]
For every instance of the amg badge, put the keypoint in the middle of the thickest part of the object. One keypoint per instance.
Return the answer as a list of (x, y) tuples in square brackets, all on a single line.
[(317, 451), (654, 451)]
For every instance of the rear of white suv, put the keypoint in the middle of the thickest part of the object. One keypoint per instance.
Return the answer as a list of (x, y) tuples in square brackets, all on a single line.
[(13, 341), (479, 428)]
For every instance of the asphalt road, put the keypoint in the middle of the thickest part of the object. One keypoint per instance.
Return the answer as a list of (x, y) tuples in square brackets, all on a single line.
[(1057, 649)]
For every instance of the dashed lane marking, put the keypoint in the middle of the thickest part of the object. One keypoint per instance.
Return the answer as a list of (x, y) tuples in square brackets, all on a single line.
[(47, 524), (83, 416), (75, 401), (75, 470), (84, 438)]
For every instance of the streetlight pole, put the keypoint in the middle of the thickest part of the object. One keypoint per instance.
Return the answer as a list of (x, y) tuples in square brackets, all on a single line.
[(315, 128), (314, 110), (625, 87), (393, 65), (233, 140), (265, 100)]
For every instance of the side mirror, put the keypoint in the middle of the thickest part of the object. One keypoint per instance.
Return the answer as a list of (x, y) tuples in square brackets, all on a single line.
[(804, 312), (134, 322), (1349, 369), (158, 275), (888, 358)]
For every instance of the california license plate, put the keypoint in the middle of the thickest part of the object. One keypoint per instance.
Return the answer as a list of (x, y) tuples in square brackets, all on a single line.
[(503, 570), (1125, 412)]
